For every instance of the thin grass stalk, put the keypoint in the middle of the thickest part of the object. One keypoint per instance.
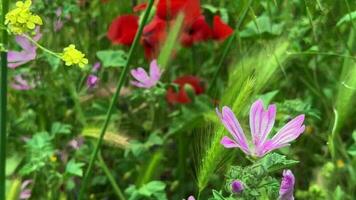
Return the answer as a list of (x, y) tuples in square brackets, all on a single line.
[(115, 186), (148, 172), (120, 83), (3, 100), (228, 46), (214, 151)]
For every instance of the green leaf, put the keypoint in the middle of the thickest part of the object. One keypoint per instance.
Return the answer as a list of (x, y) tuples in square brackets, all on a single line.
[(59, 128), (154, 139), (352, 150), (348, 17), (111, 58), (354, 136), (261, 25), (274, 162), (151, 188), (74, 168), (217, 195), (12, 163), (54, 62)]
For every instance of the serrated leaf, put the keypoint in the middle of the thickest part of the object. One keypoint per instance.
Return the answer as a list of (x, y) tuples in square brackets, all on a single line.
[(274, 162), (111, 58), (152, 188), (59, 128), (261, 25), (74, 168)]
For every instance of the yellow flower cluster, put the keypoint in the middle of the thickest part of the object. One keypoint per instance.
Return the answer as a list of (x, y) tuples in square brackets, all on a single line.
[(72, 56), (20, 19)]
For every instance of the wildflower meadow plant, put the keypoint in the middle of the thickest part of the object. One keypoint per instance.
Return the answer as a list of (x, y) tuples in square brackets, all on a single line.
[(287, 186), (71, 56), (177, 101), (28, 52), (261, 124), (145, 80), (21, 20)]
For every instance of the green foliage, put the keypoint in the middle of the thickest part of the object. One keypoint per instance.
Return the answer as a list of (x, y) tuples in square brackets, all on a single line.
[(151, 190), (261, 25), (256, 178), (39, 149), (111, 58), (74, 168)]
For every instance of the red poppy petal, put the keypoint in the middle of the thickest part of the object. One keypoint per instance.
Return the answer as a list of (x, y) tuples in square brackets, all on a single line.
[(168, 9), (221, 30), (140, 7), (153, 36), (123, 29), (181, 96)]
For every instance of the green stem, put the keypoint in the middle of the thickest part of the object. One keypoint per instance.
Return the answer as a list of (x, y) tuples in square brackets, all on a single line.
[(148, 172), (122, 79), (42, 47), (106, 170), (321, 53), (228, 47), (3, 101)]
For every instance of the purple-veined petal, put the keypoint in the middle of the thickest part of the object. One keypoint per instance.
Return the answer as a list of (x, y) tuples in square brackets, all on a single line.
[(16, 64), (291, 131), (139, 84), (261, 122), (287, 186), (140, 74), (228, 143), (230, 122), (23, 42), (21, 84), (155, 73)]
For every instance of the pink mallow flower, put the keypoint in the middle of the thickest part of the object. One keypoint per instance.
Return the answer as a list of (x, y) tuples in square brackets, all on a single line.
[(20, 83), (261, 124), (191, 197), (25, 191), (287, 186), (92, 81), (143, 80), (28, 53)]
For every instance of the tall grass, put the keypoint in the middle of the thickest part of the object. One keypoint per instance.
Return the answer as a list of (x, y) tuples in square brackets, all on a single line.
[(120, 83), (344, 101), (248, 78), (3, 100)]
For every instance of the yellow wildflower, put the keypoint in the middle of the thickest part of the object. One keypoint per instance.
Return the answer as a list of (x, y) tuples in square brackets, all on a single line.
[(53, 158), (340, 163), (20, 19), (72, 56)]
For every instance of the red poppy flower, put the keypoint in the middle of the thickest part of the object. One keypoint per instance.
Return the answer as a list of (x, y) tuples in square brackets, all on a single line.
[(153, 35), (198, 32), (123, 29), (221, 30), (181, 96), (168, 9)]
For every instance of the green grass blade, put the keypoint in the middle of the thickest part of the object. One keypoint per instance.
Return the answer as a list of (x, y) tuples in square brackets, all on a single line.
[(3, 100), (120, 83)]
